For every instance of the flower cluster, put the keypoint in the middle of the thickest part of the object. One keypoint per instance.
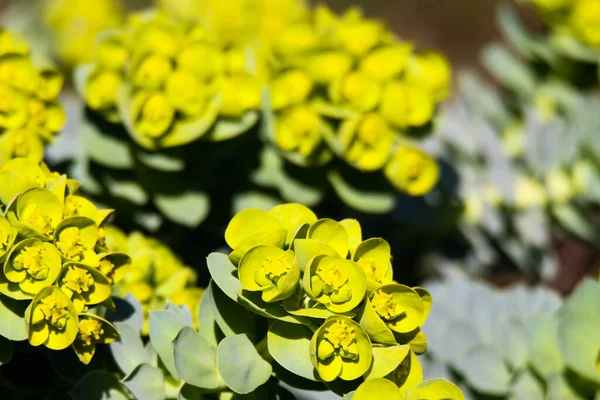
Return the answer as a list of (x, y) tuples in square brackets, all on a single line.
[(320, 273), (576, 18), (52, 245), (154, 274), (30, 115), (169, 84), (74, 26), (345, 85)]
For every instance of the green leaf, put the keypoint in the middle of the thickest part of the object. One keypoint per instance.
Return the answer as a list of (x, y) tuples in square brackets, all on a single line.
[(160, 161), (100, 385), (105, 149), (367, 202), (188, 209), (128, 351), (12, 315), (289, 345), (568, 45), (227, 128), (526, 386), (575, 223), (224, 274), (544, 352), (485, 370), (386, 360), (196, 360), (129, 190), (188, 131), (240, 365), (6, 350), (146, 382), (129, 311), (164, 327), (254, 302), (508, 70), (231, 317)]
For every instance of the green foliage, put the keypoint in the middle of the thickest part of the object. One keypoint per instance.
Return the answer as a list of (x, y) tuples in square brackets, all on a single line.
[(519, 342)]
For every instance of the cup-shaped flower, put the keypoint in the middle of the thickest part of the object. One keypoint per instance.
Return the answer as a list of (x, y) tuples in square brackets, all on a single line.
[(386, 62), (340, 285), (36, 213), (110, 265), (412, 171), (584, 22), (152, 114), (405, 104), (13, 109), (76, 237), (290, 88), (253, 227), (8, 234), (84, 285), (340, 348), (270, 270), (356, 91), (92, 330), (299, 129), (430, 70), (400, 307), (51, 319), (101, 88), (374, 255), (31, 266), (367, 141)]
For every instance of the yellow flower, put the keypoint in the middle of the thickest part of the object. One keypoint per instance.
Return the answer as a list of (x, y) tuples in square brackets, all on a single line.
[(77, 280), (297, 39), (201, 59), (386, 62), (185, 92), (371, 143), (299, 130), (90, 330), (585, 21), (551, 5), (152, 72), (357, 34), (361, 91), (412, 171), (290, 88), (404, 104), (431, 71), (18, 72), (240, 93), (11, 42), (13, 108), (328, 66), (152, 113), (111, 53), (101, 89)]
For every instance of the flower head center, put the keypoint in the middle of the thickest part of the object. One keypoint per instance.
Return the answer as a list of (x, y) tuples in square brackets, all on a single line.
[(54, 311), (414, 164), (275, 267), (332, 276), (156, 108), (78, 280), (340, 335), (371, 269), (385, 305), (90, 330), (70, 243), (106, 268), (31, 259), (37, 220)]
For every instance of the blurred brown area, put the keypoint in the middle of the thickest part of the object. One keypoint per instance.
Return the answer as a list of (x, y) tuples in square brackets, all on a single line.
[(458, 28)]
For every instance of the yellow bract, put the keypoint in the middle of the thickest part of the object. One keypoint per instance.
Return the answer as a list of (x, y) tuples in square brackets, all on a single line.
[(299, 129), (413, 171), (585, 20)]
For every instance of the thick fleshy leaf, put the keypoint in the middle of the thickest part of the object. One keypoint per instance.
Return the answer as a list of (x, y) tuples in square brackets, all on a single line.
[(486, 370), (354, 232), (188, 209), (253, 302), (196, 360), (105, 149), (224, 274), (12, 315), (509, 70), (230, 317), (526, 386), (368, 201), (100, 385), (240, 365), (289, 345), (164, 327), (128, 310), (146, 382), (227, 128), (128, 351)]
